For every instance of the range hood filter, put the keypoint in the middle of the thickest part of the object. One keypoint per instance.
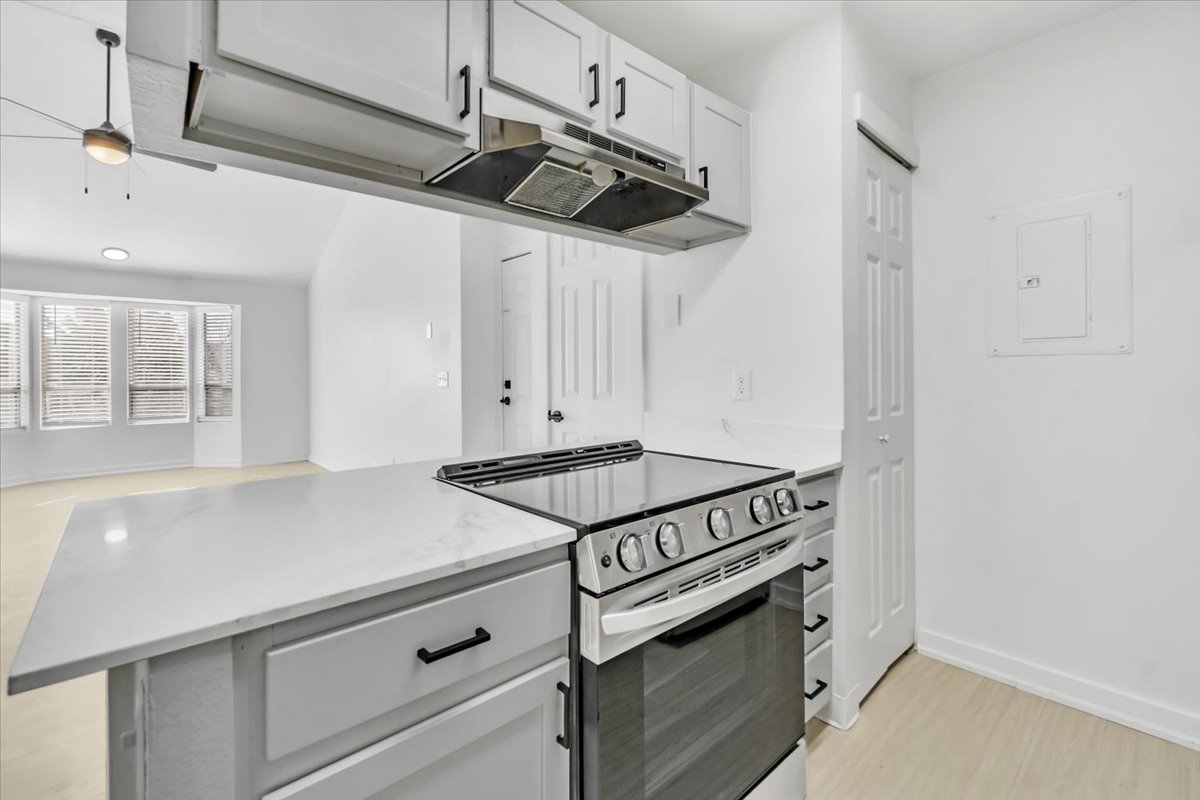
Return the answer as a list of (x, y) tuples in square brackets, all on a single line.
[(554, 189)]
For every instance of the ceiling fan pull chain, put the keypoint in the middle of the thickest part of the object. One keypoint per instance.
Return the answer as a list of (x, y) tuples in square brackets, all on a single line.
[(128, 177), (85, 172)]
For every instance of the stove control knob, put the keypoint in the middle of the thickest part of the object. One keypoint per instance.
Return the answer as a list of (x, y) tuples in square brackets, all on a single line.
[(760, 509), (720, 524), (630, 553), (670, 540), (786, 502)]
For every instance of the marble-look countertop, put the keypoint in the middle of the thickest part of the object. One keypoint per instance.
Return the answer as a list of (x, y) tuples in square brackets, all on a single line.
[(139, 576)]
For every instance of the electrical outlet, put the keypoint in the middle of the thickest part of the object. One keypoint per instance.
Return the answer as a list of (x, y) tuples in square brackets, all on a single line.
[(742, 384)]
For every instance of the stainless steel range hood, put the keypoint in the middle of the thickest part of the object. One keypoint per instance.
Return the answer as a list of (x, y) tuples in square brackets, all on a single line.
[(571, 173)]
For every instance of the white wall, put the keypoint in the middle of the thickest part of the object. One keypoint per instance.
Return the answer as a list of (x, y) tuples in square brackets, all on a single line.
[(273, 352), (1058, 520), (388, 269), (481, 337), (771, 301)]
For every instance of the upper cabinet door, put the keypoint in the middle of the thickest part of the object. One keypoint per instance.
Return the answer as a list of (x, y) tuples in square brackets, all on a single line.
[(720, 159), (547, 51), (647, 100), (412, 57)]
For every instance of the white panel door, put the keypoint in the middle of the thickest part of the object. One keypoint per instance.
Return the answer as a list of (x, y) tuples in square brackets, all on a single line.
[(413, 57), (647, 100), (595, 341), (720, 159), (547, 51), (522, 411), (886, 451)]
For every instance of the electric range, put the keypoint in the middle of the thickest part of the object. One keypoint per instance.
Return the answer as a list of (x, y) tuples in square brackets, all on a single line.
[(689, 621)]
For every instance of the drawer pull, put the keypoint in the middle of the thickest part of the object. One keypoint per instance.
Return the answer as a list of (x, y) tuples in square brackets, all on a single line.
[(821, 562), (821, 686), (821, 620), (479, 638), (817, 505), (562, 738)]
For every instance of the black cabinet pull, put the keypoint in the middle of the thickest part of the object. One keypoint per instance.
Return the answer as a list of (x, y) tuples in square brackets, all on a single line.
[(595, 70), (506, 400), (562, 738), (479, 638), (554, 416), (465, 72), (820, 503), (821, 620), (621, 110), (820, 563), (821, 686), (704, 174)]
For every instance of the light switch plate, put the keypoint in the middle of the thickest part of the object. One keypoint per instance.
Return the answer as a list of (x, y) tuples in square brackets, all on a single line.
[(443, 380)]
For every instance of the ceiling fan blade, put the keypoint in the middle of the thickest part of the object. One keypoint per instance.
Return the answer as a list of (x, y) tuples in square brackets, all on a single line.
[(43, 114), (187, 162), (54, 138)]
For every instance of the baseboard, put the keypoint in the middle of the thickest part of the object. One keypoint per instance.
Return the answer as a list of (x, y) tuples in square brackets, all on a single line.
[(1165, 722), (94, 473)]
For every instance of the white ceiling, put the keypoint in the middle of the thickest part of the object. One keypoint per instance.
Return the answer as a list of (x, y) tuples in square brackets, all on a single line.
[(922, 36), (179, 219)]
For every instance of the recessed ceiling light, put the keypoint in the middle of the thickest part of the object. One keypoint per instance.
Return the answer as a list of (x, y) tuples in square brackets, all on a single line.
[(114, 253)]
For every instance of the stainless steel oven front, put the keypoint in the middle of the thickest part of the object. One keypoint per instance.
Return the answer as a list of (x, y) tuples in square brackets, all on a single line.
[(692, 681)]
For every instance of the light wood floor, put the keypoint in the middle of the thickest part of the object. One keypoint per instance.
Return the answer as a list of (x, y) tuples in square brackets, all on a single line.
[(52, 739), (929, 730)]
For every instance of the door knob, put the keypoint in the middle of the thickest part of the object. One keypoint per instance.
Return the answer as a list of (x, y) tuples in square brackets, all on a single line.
[(506, 400), (885, 439), (554, 416)]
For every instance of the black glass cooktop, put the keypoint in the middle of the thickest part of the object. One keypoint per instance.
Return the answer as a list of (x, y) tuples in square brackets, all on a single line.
[(599, 486)]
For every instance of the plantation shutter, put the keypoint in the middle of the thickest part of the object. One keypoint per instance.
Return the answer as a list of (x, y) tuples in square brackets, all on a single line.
[(158, 364), (217, 335), (75, 365), (12, 389)]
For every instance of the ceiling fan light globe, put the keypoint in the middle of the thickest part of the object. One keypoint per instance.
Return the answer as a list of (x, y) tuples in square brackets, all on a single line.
[(106, 147)]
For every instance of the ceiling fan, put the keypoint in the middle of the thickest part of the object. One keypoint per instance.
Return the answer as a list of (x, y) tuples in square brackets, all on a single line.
[(105, 143)]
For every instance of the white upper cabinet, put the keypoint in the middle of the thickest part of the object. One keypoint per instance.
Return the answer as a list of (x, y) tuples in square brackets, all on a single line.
[(547, 51), (411, 57), (647, 100), (720, 158)]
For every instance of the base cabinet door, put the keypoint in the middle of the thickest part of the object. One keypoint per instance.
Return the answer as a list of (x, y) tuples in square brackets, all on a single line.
[(502, 744), (412, 57), (647, 100), (549, 52), (720, 159)]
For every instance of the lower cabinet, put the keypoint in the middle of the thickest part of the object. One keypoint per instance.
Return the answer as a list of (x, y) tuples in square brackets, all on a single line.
[(508, 742)]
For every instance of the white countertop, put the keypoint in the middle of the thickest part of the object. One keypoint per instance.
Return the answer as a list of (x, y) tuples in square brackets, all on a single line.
[(199, 565)]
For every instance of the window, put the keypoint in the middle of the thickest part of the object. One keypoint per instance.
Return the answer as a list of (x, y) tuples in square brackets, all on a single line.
[(75, 365), (12, 363), (216, 334), (158, 364)]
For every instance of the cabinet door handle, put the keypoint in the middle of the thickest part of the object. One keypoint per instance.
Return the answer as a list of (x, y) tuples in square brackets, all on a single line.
[(479, 638), (595, 70), (820, 503), (465, 72), (563, 739), (621, 87), (821, 686), (821, 620), (704, 175), (820, 563)]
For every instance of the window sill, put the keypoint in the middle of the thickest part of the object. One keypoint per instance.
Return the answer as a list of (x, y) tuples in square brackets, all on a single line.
[(14, 429), (75, 427), (163, 421), (214, 419)]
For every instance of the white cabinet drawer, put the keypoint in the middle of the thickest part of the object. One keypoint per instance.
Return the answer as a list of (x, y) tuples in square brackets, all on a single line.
[(820, 502), (502, 744), (818, 561), (818, 676), (325, 684), (818, 617)]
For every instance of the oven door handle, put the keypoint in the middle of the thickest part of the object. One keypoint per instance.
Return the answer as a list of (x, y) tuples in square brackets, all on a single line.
[(687, 605)]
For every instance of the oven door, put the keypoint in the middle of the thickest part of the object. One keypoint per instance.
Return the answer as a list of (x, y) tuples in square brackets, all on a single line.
[(704, 708)]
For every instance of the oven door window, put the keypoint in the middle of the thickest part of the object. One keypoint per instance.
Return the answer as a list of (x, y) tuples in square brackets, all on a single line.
[(704, 710)]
